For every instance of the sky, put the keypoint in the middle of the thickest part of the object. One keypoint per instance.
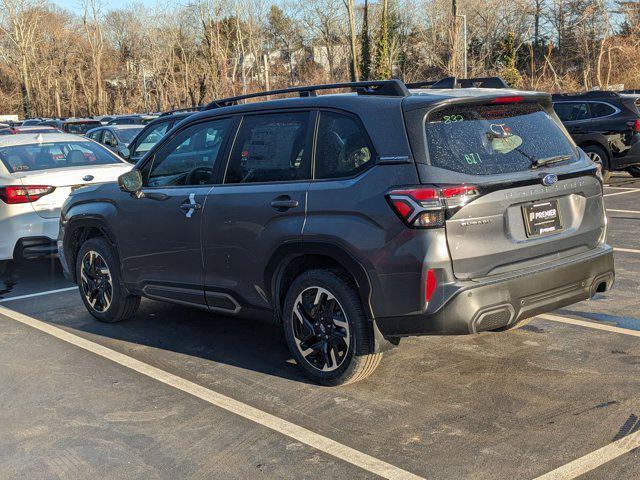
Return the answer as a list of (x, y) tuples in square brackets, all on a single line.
[(76, 5)]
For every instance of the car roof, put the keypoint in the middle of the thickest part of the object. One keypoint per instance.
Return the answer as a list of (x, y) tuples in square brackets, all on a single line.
[(363, 104), (123, 127), (30, 128), (33, 139)]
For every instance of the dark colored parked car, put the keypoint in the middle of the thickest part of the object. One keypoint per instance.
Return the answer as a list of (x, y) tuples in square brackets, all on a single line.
[(79, 126), (353, 219), (115, 137), (131, 120), (606, 125), (153, 132), (33, 129)]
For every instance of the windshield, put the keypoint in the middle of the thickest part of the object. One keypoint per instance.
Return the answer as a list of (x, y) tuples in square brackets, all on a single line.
[(80, 128), (150, 138), (49, 155), (127, 135), (494, 139)]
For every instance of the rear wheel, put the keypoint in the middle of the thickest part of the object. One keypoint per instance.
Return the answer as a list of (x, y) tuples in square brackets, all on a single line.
[(98, 274), (326, 329), (600, 158)]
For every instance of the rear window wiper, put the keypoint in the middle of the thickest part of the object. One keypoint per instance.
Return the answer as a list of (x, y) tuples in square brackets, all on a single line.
[(541, 162)]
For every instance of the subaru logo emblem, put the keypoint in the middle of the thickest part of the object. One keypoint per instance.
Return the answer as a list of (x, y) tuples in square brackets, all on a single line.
[(549, 180), (88, 178)]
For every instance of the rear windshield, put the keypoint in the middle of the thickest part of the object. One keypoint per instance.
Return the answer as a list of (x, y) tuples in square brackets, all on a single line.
[(493, 139), (80, 128), (48, 155)]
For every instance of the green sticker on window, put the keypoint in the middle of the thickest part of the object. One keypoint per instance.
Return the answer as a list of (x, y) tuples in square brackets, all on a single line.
[(472, 158)]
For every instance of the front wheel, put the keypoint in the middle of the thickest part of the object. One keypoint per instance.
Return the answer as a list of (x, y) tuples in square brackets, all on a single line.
[(326, 329), (98, 275)]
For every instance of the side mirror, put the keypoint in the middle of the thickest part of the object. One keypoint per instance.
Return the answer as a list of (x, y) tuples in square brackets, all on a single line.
[(131, 181), (124, 153)]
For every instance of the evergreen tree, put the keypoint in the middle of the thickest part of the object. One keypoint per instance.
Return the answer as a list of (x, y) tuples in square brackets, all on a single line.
[(382, 69), (365, 45)]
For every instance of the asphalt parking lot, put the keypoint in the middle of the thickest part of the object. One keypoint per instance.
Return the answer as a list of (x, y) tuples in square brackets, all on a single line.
[(178, 393)]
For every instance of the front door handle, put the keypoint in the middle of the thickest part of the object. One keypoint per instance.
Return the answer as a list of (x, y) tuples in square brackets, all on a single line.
[(191, 206), (284, 203)]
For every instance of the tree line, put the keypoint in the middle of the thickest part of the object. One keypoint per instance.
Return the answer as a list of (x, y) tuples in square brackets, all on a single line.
[(97, 60)]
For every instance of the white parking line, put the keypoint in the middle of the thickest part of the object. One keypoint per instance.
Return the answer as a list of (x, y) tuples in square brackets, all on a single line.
[(635, 190), (621, 188), (39, 294), (609, 452), (593, 325), (615, 210), (301, 434), (594, 459), (626, 250)]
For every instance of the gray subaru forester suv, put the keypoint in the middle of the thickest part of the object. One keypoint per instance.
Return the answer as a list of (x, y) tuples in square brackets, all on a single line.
[(354, 219)]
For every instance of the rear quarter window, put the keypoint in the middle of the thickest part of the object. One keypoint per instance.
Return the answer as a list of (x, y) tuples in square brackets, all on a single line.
[(493, 139)]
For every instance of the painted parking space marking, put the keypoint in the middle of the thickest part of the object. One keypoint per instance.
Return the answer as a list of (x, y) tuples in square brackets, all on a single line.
[(38, 294), (635, 190), (584, 323), (595, 459), (626, 250), (621, 188), (277, 424), (615, 210), (609, 452)]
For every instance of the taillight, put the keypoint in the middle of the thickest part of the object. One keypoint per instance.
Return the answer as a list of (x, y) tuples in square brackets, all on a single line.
[(427, 207), (502, 100), (24, 194), (636, 127), (430, 285)]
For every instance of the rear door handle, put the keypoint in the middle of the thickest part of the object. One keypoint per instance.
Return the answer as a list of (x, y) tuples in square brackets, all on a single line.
[(284, 203)]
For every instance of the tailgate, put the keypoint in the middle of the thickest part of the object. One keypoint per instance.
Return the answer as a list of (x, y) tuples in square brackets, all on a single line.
[(499, 232)]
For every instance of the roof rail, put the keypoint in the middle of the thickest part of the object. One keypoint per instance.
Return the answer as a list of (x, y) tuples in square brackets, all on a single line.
[(393, 87), (180, 110), (632, 91), (453, 82)]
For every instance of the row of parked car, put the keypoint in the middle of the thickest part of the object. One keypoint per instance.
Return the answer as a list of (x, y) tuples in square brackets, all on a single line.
[(400, 209)]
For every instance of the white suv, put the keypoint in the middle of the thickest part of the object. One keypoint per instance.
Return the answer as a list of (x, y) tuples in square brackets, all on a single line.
[(37, 173)]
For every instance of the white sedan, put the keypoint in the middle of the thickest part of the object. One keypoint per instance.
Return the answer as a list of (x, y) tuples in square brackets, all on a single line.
[(37, 173)]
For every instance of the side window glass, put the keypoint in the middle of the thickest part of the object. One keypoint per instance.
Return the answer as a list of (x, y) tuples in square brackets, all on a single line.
[(270, 148), (150, 138), (571, 111), (95, 135), (342, 147), (189, 158), (601, 110), (109, 139)]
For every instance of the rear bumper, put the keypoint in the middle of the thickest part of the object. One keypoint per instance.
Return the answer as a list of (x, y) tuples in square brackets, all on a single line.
[(492, 303)]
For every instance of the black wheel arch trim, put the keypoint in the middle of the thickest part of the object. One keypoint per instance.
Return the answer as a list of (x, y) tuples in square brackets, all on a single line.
[(288, 252), (87, 221)]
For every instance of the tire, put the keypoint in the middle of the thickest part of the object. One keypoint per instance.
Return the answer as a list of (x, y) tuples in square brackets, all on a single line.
[(100, 284), (599, 157), (344, 354), (634, 171), (4, 267)]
